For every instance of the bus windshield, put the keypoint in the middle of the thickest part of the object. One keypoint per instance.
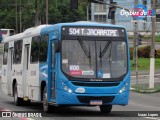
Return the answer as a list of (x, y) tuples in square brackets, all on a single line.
[(94, 59)]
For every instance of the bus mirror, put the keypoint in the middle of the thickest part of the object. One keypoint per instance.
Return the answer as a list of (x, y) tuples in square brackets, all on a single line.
[(57, 46)]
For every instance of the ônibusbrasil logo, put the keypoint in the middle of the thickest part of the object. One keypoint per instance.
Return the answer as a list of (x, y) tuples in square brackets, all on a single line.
[(139, 12)]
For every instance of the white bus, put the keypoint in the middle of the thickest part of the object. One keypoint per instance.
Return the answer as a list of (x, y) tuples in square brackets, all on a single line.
[(5, 33), (20, 66)]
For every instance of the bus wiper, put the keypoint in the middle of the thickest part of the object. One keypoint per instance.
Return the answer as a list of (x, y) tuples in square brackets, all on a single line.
[(104, 50), (100, 56), (110, 60), (89, 57), (86, 51), (84, 48)]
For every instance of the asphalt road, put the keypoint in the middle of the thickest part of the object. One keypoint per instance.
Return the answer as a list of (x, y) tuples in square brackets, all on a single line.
[(137, 102)]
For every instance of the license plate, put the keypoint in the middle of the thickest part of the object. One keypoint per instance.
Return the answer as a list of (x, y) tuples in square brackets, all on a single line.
[(96, 102)]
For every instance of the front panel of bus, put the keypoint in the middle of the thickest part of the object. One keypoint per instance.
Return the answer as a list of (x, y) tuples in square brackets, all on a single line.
[(93, 65)]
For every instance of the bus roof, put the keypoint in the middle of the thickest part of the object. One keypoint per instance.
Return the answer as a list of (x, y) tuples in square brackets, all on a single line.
[(88, 23), (6, 29), (28, 32), (46, 28)]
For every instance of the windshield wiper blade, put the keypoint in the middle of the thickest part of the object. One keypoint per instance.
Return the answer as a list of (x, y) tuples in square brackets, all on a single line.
[(100, 56), (104, 50), (86, 51), (110, 60), (89, 57), (84, 48)]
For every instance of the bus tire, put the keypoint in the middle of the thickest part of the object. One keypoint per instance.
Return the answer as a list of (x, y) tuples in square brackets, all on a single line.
[(17, 101), (105, 108), (46, 107), (27, 103)]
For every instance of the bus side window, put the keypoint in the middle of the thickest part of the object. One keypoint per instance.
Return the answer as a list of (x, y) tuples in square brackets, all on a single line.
[(17, 52), (53, 55), (43, 48), (5, 54), (11, 32), (35, 49)]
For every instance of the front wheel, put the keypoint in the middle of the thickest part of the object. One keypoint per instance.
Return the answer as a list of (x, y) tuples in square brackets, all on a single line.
[(17, 101), (46, 107), (105, 108)]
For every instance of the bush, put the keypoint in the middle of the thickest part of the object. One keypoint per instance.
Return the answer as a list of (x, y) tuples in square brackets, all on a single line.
[(140, 51), (144, 52), (131, 53), (158, 53)]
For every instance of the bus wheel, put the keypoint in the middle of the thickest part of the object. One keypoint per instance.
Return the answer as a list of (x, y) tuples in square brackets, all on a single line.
[(27, 102), (46, 106), (105, 108), (17, 101)]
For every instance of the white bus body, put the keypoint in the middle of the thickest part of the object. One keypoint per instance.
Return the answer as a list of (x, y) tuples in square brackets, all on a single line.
[(24, 74)]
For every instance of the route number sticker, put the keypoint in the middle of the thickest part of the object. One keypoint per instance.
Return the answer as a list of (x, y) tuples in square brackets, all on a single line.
[(74, 67)]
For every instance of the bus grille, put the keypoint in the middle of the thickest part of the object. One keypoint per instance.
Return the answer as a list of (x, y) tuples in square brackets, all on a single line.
[(87, 99), (95, 84)]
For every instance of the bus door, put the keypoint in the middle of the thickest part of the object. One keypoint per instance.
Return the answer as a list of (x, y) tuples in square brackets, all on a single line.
[(53, 82), (25, 71), (9, 70)]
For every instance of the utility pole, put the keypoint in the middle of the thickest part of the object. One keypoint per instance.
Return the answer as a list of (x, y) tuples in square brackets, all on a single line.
[(135, 43), (152, 54), (36, 13), (87, 10), (136, 48), (20, 17), (16, 17), (46, 11), (145, 19), (135, 26)]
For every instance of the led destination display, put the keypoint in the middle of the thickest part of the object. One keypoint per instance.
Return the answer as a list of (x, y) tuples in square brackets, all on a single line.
[(95, 32)]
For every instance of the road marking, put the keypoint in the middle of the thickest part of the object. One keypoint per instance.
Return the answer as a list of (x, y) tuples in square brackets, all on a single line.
[(152, 118), (29, 119)]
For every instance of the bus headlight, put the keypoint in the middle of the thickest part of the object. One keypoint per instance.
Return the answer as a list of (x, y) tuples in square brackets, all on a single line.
[(66, 88), (124, 88), (69, 90)]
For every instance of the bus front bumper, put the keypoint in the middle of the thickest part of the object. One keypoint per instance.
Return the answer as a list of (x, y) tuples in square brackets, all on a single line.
[(66, 98)]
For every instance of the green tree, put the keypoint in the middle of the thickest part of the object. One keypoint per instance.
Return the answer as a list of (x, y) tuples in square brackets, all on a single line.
[(59, 11)]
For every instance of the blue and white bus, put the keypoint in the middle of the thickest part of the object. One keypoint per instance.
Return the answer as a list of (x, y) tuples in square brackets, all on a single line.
[(79, 63)]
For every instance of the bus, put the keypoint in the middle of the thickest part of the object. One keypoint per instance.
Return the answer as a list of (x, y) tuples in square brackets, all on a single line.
[(65, 64), (5, 33)]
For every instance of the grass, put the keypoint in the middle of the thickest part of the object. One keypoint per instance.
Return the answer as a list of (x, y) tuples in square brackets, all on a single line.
[(144, 88), (157, 39), (144, 64)]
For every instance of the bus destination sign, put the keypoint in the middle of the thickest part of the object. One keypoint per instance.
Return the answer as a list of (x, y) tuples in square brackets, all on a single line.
[(92, 31)]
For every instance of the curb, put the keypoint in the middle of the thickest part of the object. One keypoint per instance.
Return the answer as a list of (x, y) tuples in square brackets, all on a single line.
[(145, 75), (132, 89), (143, 91)]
